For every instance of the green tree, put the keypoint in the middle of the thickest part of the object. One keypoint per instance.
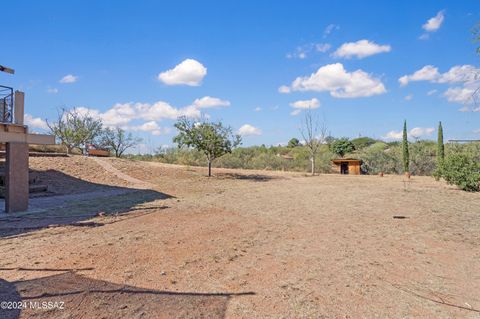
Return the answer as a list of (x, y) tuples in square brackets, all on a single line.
[(212, 139), (342, 146), (406, 156), (118, 140), (440, 152), (362, 142), (294, 142)]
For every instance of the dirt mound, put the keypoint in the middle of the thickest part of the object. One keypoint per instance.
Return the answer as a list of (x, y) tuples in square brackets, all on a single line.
[(74, 174)]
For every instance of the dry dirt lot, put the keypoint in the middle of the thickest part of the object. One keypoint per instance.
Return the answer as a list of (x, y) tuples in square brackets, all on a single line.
[(243, 244)]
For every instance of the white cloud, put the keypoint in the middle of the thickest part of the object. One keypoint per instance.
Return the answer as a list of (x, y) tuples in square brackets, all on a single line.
[(421, 131), (329, 29), (433, 24), (477, 131), (393, 135), (298, 54), (248, 129), (415, 132), (322, 47), (301, 52), (69, 78), (340, 83), (209, 102), (360, 49), (257, 109), (460, 95), (306, 104), (35, 122), (409, 97), (467, 75), (424, 36), (284, 89), (467, 95), (296, 112), (123, 114), (52, 90), (188, 72), (432, 92), (460, 73), (427, 73), (151, 127)]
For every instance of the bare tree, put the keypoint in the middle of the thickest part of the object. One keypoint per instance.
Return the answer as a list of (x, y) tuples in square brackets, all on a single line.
[(314, 134), (118, 140), (75, 129)]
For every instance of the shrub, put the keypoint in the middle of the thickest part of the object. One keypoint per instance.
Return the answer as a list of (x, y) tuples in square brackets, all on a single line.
[(422, 158), (381, 158), (463, 170)]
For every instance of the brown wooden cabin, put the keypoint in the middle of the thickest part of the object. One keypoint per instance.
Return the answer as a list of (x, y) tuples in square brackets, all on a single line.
[(347, 166)]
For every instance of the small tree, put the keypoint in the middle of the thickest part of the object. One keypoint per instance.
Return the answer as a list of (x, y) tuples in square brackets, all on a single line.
[(342, 146), (294, 142), (440, 153), (406, 157), (75, 129), (118, 140), (212, 139), (314, 135)]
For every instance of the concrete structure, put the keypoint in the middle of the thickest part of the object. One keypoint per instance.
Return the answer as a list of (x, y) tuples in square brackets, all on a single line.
[(15, 134), (347, 166), (16, 177)]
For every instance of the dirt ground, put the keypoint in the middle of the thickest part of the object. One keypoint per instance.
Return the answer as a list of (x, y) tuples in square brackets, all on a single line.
[(243, 244)]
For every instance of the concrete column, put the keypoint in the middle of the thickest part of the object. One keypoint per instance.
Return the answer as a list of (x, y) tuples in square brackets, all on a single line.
[(19, 107), (16, 177)]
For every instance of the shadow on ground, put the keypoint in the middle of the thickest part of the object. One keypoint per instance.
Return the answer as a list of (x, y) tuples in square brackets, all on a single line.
[(80, 296), (248, 177), (74, 209)]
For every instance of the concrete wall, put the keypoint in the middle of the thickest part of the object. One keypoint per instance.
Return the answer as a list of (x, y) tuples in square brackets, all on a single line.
[(16, 177)]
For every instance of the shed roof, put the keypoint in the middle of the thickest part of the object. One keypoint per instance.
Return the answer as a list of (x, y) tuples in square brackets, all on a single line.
[(348, 160)]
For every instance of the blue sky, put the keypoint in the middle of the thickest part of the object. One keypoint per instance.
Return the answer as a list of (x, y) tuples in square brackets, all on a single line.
[(140, 64)]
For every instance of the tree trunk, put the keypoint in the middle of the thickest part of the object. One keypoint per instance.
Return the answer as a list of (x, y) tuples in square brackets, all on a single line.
[(209, 168), (312, 159)]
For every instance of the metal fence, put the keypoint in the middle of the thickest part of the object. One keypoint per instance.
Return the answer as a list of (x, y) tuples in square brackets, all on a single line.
[(6, 104)]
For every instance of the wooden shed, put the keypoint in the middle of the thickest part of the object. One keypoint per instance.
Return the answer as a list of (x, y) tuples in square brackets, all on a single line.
[(347, 166)]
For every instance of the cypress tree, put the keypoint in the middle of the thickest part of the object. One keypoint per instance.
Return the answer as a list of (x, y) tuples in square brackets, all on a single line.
[(440, 153), (406, 157), (440, 146)]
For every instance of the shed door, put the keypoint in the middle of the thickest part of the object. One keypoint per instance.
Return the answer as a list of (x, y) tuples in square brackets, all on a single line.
[(344, 168)]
